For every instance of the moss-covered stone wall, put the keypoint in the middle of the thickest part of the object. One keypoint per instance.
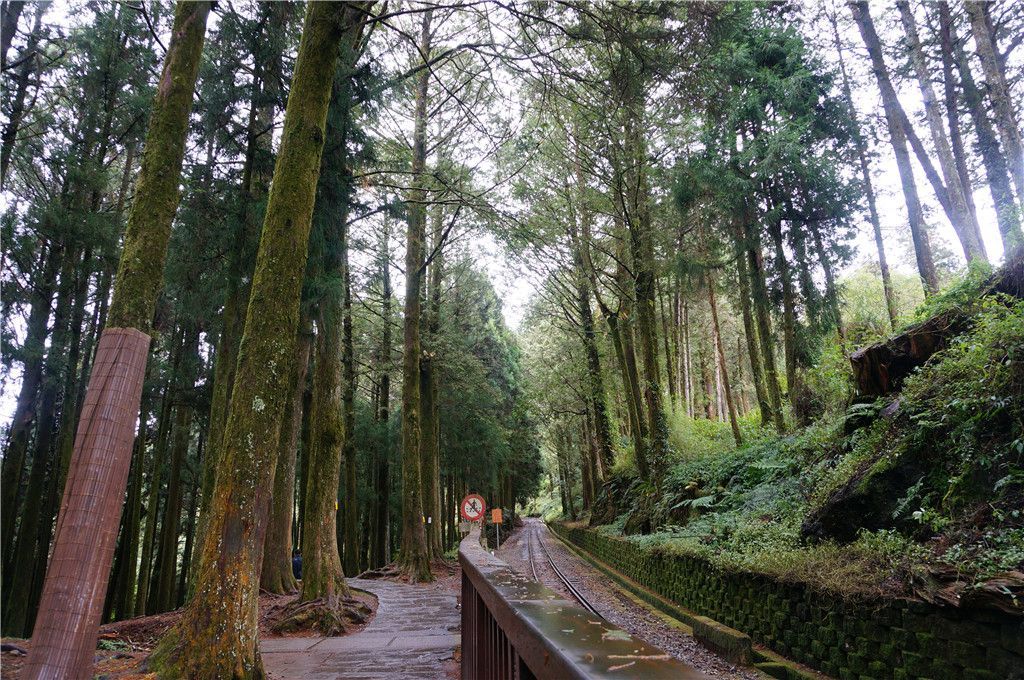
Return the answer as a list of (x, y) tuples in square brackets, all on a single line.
[(847, 639)]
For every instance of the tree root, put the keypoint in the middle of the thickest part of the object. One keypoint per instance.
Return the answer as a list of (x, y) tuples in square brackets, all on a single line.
[(328, 616), (389, 571)]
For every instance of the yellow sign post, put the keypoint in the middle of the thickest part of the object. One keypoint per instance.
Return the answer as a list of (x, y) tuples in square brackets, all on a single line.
[(496, 519)]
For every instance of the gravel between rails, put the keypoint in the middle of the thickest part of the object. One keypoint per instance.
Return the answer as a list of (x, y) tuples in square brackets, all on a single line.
[(609, 600)]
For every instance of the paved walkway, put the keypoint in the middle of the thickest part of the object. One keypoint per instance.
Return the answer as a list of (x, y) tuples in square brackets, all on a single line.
[(415, 631)]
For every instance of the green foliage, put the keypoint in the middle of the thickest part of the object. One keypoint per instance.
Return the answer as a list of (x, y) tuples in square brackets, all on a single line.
[(962, 295), (114, 646), (486, 428), (743, 508), (864, 310), (970, 399), (830, 380)]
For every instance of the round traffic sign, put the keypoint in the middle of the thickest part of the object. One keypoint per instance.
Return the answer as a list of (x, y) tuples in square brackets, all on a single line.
[(472, 508)]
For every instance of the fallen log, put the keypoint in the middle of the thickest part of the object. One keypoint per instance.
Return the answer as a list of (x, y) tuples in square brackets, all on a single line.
[(881, 368)]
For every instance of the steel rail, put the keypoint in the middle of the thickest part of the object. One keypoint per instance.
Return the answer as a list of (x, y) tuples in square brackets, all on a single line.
[(517, 629), (529, 552), (569, 585)]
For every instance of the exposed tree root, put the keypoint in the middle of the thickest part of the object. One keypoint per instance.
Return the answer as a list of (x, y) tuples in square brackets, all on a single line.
[(387, 572), (329, 617)]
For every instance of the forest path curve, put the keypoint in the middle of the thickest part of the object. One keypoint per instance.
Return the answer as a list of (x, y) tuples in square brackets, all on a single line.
[(413, 635)]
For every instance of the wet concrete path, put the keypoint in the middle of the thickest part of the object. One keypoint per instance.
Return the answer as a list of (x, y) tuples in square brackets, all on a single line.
[(414, 635)]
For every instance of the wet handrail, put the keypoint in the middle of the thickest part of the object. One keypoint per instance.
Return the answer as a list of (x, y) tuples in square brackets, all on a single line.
[(515, 628)]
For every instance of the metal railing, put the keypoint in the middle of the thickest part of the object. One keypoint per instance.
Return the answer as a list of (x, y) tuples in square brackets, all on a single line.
[(514, 628)]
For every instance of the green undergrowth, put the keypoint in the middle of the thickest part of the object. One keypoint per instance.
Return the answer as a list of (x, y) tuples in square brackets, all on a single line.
[(952, 448)]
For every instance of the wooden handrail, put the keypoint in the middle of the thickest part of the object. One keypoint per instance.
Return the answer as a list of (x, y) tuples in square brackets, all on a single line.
[(515, 628)]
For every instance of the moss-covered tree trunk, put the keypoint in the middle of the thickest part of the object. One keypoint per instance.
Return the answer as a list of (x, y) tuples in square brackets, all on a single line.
[(217, 635), (898, 137), (276, 575), (749, 330), (1008, 212), (181, 434), (379, 551), (994, 67), (865, 175), (414, 557), (153, 500), (256, 175), (642, 248), (723, 369), (961, 215), (322, 575), (348, 401), (323, 580), (580, 253), (430, 442), (64, 637), (762, 316)]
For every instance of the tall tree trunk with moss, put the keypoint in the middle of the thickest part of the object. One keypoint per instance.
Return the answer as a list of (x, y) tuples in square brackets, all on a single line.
[(217, 635), (181, 435), (379, 553), (153, 501), (720, 346), (64, 638), (625, 323), (749, 329), (580, 241), (1008, 211), (414, 557), (430, 439), (256, 175), (998, 90), (865, 175), (323, 579), (322, 575), (348, 400), (636, 199), (898, 137), (277, 576), (762, 315), (965, 222)]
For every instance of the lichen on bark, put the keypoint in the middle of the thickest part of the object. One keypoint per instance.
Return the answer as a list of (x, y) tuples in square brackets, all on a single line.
[(140, 269), (217, 636)]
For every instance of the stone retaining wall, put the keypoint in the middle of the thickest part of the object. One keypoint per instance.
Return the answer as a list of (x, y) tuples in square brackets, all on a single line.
[(846, 639)]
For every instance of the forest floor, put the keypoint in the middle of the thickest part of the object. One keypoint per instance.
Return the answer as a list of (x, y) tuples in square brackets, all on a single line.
[(414, 635), (124, 645), (610, 601)]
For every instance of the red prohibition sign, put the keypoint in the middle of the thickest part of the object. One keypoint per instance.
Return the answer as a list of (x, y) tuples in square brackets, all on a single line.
[(472, 508)]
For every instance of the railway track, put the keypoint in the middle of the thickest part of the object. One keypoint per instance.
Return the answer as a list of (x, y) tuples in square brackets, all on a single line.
[(569, 585)]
